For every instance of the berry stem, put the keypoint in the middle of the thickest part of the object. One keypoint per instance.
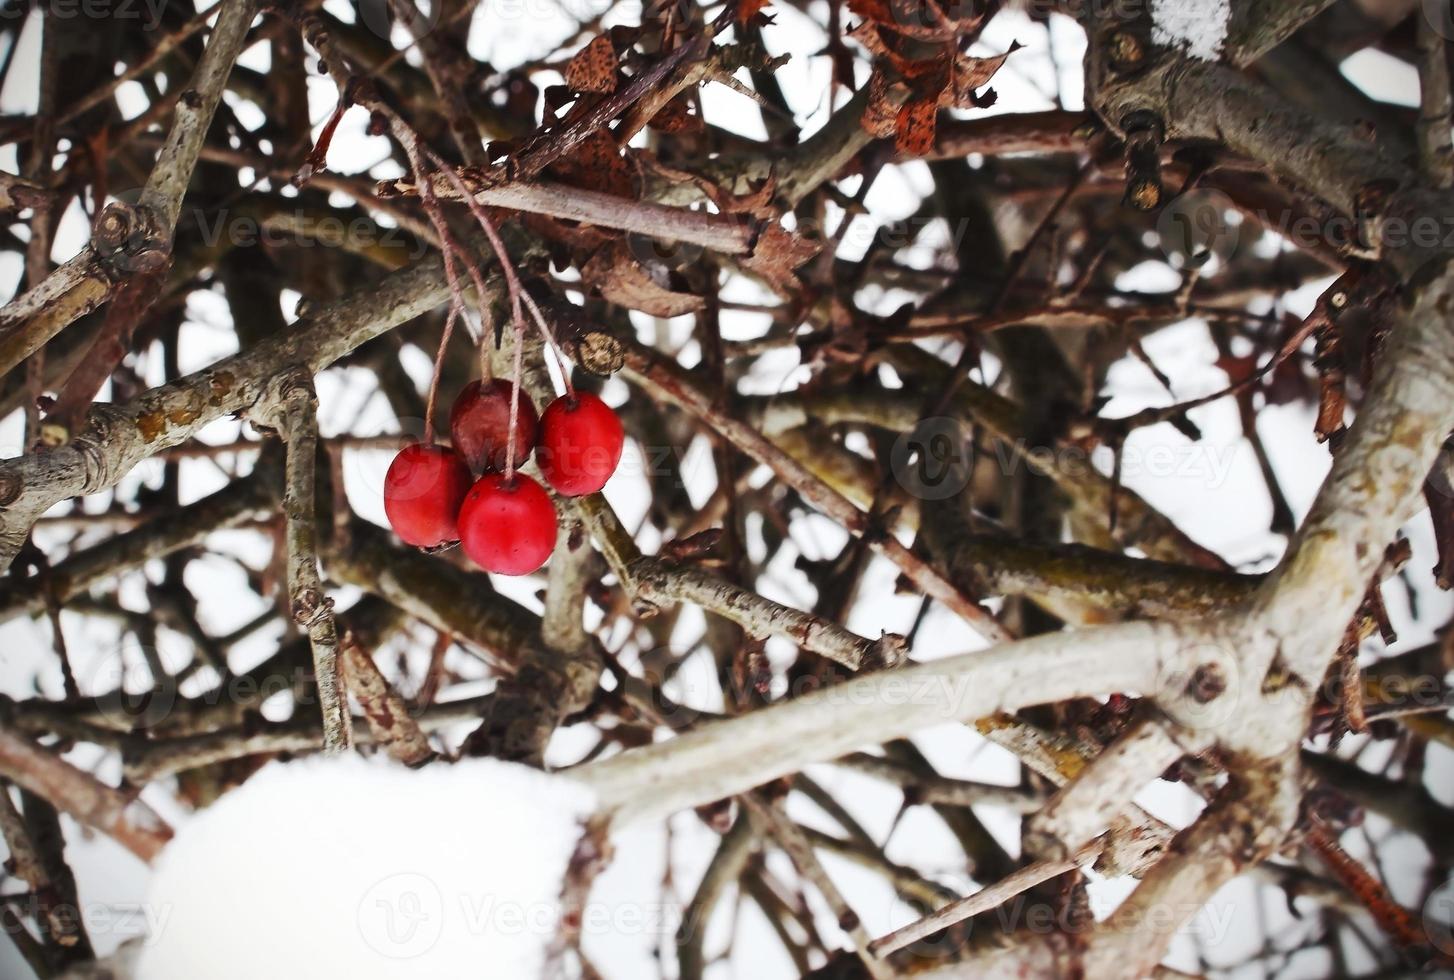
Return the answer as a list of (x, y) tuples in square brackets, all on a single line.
[(507, 268), (549, 335), (519, 324), (451, 250), (429, 406)]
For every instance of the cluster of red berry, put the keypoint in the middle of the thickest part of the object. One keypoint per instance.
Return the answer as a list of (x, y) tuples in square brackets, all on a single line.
[(505, 521)]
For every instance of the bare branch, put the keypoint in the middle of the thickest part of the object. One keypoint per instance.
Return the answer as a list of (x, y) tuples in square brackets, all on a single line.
[(290, 406), (130, 822)]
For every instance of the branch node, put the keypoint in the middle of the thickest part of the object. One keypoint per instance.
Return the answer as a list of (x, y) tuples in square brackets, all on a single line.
[(1208, 682), (1145, 132), (889, 650)]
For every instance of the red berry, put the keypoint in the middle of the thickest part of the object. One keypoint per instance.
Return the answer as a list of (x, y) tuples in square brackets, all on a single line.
[(479, 424), (422, 493), (580, 444), (509, 526)]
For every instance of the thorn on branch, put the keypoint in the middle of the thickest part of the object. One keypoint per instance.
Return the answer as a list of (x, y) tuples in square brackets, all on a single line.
[(1145, 132), (888, 651)]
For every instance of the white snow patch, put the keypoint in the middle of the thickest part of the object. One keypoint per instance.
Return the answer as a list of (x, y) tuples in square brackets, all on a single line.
[(361, 868), (1198, 26)]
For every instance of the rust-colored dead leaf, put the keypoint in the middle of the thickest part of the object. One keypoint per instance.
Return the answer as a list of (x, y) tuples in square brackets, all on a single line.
[(921, 20), (914, 130), (971, 74), (752, 10), (621, 279), (875, 11), (866, 33), (593, 69), (1332, 367), (904, 93), (777, 254), (881, 114), (677, 117), (757, 202), (582, 239), (596, 164)]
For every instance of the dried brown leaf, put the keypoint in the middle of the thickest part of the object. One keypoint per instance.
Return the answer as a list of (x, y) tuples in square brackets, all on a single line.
[(677, 117), (922, 20), (593, 69), (596, 164), (866, 33), (757, 202), (914, 129), (750, 11), (881, 114), (777, 253), (621, 279), (971, 74)]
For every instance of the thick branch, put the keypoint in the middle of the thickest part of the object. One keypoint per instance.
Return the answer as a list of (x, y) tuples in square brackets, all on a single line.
[(135, 238), (1258, 26), (733, 756)]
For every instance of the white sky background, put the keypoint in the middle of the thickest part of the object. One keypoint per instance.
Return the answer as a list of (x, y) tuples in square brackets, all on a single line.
[(1212, 489)]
